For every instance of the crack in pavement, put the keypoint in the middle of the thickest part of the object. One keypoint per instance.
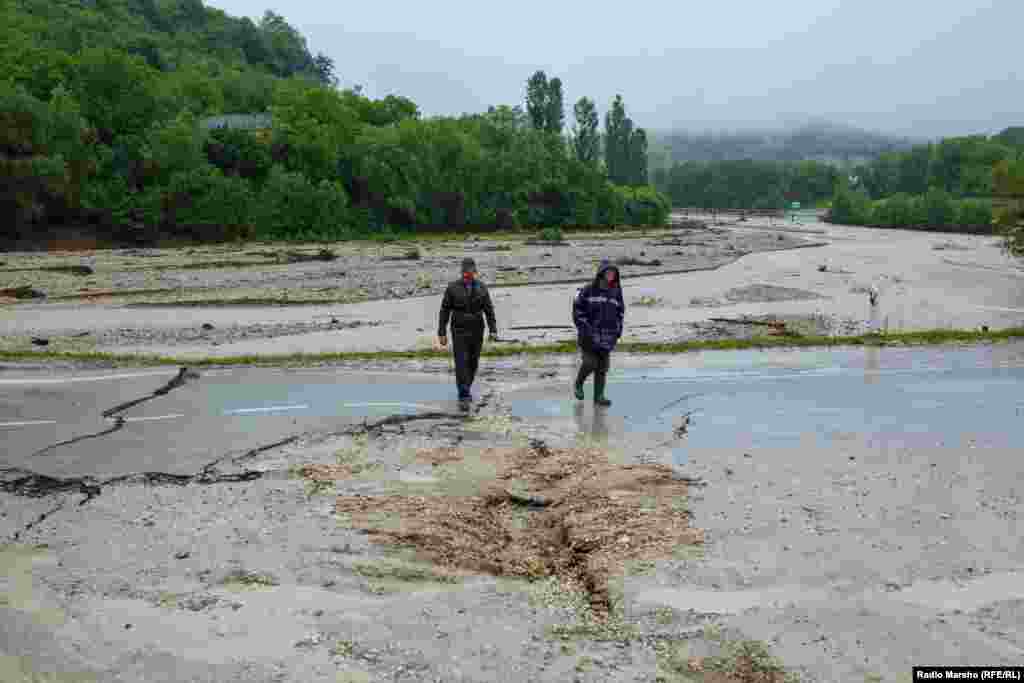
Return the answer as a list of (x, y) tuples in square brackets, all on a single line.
[(22, 482), (179, 380), (400, 420), (38, 520), (118, 424), (184, 374)]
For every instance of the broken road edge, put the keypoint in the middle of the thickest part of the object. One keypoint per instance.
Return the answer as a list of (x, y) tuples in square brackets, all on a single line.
[(914, 338)]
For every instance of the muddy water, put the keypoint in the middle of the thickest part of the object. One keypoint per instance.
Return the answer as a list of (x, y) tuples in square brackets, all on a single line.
[(891, 398)]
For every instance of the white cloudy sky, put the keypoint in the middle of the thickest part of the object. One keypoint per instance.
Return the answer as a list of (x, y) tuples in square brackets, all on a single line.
[(918, 67)]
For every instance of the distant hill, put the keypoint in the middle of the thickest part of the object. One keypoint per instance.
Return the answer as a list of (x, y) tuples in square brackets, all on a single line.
[(819, 141)]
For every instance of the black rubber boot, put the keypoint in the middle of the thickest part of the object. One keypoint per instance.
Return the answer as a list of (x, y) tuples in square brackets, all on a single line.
[(581, 377), (599, 397)]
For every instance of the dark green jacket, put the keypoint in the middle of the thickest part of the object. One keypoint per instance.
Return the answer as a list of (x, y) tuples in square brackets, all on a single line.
[(467, 308)]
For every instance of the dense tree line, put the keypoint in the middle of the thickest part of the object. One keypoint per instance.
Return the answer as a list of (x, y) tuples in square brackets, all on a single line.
[(747, 184), (960, 166), (965, 183), (111, 134)]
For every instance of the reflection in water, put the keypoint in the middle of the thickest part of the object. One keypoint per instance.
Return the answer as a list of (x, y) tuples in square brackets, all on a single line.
[(872, 364), (597, 429)]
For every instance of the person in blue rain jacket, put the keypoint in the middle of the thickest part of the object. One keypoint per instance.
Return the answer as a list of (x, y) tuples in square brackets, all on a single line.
[(598, 312)]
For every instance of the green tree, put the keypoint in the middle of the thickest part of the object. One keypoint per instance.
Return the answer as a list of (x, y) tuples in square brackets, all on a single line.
[(537, 100), (290, 207), (586, 139), (117, 93), (615, 146), (638, 157), (850, 207), (315, 126), (1008, 184), (554, 115)]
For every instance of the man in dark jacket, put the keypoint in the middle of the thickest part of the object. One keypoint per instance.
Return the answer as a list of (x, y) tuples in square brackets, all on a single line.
[(598, 312), (467, 303)]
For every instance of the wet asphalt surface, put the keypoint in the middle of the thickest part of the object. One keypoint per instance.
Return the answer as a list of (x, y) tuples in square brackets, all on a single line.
[(861, 509)]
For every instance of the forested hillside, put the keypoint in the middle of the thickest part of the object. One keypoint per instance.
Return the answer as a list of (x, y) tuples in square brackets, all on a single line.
[(100, 109)]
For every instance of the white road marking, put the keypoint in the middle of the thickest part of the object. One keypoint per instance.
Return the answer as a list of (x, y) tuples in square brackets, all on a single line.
[(65, 380), (264, 410), (1000, 308), (28, 423), (150, 419), (374, 404)]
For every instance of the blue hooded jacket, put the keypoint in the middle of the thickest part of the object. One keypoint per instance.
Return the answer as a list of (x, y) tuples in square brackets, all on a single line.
[(598, 311)]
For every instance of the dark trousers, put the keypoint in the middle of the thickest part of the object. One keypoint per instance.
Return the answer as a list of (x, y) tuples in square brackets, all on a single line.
[(597, 362), (466, 347)]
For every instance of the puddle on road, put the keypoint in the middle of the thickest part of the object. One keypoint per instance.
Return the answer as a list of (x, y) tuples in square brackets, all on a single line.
[(904, 400)]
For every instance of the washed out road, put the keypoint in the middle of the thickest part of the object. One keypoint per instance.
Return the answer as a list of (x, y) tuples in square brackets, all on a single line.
[(861, 510), (56, 425)]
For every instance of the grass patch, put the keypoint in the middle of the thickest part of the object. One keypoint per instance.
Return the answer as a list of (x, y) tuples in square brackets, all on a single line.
[(922, 338), (611, 629), (395, 575), (742, 661), (251, 580), (648, 301), (665, 615), (343, 648), (402, 571)]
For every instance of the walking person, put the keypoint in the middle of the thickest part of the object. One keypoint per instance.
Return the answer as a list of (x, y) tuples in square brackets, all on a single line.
[(598, 313), (467, 304), (874, 318)]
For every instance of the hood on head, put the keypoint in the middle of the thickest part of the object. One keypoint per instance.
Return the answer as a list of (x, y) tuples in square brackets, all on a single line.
[(604, 267)]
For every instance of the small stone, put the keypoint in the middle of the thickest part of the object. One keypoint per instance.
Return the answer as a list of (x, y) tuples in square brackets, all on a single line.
[(182, 555), (127, 627), (207, 326)]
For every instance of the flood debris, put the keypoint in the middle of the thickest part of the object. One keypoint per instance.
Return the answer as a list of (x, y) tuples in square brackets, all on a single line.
[(408, 255), (23, 292), (564, 513), (302, 257), (632, 261)]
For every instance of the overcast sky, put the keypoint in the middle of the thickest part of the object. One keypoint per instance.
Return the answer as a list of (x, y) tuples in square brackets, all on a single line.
[(913, 67)]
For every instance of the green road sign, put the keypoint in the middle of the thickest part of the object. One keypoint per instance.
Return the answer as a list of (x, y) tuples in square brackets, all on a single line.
[(795, 205)]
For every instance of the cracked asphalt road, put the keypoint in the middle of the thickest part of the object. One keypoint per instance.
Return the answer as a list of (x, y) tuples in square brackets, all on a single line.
[(123, 423)]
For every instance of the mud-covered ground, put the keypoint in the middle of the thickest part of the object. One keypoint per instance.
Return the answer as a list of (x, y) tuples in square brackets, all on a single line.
[(338, 274), (346, 272)]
